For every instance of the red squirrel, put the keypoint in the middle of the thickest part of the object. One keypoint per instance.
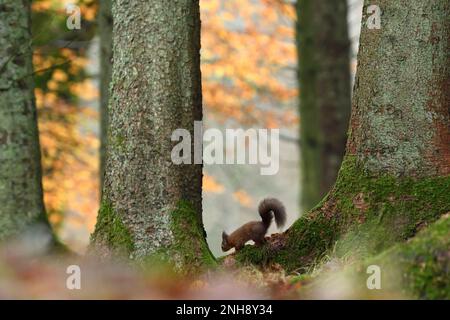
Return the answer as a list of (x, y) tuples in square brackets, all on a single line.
[(256, 230)]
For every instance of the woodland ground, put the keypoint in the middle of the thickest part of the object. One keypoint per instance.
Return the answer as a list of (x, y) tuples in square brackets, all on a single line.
[(27, 271)]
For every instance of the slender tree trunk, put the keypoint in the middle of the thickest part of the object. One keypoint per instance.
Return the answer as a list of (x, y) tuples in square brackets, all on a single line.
[(395, 177), (105, 24), (324, 79), (21, 199), (150, 206)]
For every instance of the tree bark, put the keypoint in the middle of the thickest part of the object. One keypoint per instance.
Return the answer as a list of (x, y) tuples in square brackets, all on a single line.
[(324, 79), (150, 206), (105, 24), (395, 177), (21, 195)]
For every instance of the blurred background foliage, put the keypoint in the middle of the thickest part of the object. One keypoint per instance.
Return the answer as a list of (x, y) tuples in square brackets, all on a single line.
[(64, 91)]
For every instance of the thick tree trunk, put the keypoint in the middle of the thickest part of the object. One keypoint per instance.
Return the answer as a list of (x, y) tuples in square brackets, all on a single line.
[(324, 79), (395, 178), (21, 198), (400, 114), (150, 206), (105, 24)]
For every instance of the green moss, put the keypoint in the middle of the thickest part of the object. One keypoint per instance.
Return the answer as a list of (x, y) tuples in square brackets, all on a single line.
[(254, 255), (189, 252), (220, 260), (416, 269), (377, 212), (111, 231), (300, 279), (190, 243), (117, 142), (420, 267), (362, 215)]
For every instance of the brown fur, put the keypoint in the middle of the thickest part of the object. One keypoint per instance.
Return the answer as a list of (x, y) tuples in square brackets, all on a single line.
[(256, 230)]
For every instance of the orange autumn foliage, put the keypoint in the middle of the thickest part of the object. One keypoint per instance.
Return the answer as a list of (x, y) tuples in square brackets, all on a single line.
[(243, 198), (211, 185), (69, 145), (246, 48)]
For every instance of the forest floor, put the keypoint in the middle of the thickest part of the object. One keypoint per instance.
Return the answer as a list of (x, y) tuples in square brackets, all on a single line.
[(28, 271)]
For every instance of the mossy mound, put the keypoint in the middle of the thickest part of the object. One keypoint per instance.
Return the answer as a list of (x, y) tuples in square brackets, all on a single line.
[(420, 267), (416, 269)]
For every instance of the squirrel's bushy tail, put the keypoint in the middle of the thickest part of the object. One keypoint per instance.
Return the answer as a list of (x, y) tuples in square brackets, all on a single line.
[(269, 205)]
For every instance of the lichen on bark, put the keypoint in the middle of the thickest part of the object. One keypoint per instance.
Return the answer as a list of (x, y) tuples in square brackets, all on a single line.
[(400, 115)]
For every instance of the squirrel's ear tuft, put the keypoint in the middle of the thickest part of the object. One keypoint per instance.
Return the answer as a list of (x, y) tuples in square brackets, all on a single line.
[(224, 235)]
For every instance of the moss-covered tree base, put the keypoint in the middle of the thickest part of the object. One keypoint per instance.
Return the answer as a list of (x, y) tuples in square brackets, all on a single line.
[(187, 251), (361, 216), (111, 237)]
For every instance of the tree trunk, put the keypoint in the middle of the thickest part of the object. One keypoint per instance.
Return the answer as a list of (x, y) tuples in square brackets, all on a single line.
[(395, 177), (21, 195), (150, 206), (324, 79), (105, 30)]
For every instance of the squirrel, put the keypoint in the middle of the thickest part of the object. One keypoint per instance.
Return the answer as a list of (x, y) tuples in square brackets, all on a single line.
[(256, 230)]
